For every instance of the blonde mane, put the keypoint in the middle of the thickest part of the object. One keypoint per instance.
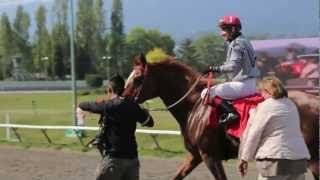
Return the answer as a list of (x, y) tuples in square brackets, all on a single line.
[(156, 55)]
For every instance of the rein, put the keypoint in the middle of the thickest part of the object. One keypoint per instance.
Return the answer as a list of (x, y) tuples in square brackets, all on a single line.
[(179, 100)]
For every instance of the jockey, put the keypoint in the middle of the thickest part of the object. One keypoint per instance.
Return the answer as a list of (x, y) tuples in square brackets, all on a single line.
[(239, 68)]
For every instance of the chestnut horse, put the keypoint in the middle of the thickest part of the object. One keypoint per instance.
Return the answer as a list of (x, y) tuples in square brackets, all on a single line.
[(174, 81)]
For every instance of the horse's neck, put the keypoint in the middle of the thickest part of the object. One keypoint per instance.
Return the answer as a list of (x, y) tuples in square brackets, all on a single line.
[(173, 93)]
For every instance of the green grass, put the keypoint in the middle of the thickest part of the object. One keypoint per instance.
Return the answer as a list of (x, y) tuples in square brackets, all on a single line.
[(56, 109)]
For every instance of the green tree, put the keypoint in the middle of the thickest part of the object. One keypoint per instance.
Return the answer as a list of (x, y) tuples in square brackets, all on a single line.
[(22, 23), (140, 40), (6, 46), (137, 42), (161, 40), (209, 50), (42, 50), (187, 53), (100, 42), (99, 15), (167, 43), (60, 40), (21, 36), (85, 38), (116, 38)]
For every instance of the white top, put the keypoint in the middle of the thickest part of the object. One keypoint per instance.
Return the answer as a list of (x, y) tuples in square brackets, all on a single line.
[(273, 131)]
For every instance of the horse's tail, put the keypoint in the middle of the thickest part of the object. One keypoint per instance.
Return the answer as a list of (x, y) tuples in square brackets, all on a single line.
[(197, 121)]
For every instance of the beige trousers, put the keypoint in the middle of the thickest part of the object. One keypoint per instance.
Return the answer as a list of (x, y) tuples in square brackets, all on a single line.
[(287, 177), (232, 90)]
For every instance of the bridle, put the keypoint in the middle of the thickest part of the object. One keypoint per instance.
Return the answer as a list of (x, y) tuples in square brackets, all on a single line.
[(139, 88)]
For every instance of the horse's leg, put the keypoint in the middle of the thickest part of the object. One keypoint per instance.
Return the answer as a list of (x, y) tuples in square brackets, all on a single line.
[(191, 162), (215, 167), (314, 168)]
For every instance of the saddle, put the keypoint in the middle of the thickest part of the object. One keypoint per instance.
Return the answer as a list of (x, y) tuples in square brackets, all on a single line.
[(205, 115), (243, 106)]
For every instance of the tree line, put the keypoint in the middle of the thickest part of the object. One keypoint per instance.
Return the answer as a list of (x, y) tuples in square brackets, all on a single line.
[(101, 45)]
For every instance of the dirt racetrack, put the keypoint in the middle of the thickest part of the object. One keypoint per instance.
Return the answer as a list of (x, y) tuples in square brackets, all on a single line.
[(40, 164)]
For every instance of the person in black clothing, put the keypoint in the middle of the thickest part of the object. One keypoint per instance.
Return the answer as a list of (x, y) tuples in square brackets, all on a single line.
[(119, 116)]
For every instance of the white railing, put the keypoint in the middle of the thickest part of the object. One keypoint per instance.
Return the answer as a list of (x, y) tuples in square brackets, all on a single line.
[(15, 127)]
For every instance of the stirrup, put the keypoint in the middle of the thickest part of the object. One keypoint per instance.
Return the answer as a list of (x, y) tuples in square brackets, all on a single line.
[(227, 119)]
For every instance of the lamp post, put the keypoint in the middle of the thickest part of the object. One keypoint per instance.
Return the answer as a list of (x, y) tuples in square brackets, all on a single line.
[(3, 67), (73, 69)]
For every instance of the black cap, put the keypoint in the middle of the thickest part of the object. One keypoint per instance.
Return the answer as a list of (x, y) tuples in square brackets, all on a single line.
[(117, 84)]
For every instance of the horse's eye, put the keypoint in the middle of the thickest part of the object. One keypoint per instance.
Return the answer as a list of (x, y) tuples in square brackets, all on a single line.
[(138, 80)]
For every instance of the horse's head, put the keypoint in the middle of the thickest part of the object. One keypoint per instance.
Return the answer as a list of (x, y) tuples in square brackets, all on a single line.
[(139, 84), (161, 76)]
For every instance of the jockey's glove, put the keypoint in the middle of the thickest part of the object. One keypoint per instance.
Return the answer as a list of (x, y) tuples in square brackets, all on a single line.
[(214, 69)]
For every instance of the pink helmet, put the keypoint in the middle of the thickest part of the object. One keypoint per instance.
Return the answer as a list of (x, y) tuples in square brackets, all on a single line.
[(229, 21)]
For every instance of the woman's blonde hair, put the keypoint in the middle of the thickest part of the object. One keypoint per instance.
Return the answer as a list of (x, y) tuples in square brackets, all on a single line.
[(272, 86)]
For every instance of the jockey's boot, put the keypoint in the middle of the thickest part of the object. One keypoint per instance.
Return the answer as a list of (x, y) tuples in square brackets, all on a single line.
[(229, 115)]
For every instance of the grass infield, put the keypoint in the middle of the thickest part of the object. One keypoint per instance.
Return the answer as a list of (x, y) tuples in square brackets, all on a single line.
[(55, 108)]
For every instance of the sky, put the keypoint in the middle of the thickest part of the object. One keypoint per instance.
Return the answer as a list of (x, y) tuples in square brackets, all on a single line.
[(187, 18)]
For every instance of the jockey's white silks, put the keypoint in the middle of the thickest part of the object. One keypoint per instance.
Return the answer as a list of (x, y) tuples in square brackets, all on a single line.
[(232, 90)]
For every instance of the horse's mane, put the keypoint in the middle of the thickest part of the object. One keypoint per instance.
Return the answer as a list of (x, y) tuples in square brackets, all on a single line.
[(171, 61)]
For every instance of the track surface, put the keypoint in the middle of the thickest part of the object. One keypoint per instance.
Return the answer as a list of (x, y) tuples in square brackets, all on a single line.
[(39, 164)]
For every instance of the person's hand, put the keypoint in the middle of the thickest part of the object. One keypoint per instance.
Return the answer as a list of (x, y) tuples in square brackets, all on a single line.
[(81, 114), (214, 69), (243, 167)]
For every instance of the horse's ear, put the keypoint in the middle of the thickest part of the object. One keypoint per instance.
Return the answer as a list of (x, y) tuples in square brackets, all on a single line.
[(143, 58), (139, 60)]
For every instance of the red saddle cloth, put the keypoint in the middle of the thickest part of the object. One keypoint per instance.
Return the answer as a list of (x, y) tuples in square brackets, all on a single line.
[(243, 106)]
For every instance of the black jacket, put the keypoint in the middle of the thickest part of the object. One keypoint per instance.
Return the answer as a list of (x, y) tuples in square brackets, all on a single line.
[(120, 117)]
